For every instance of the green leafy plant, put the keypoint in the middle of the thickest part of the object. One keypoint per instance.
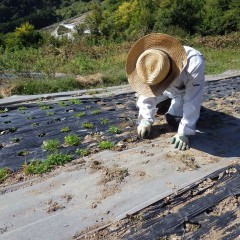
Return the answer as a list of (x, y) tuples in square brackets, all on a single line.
[(50, 113), (4, 173), (45, 107), (87, 107), (83, 152), (105, 145), (81, 114), (88, 125), (96, 111), (114, 129), (75, 101), (65, 129), (39, 167), (51, 145), (4, 110), (62, 104), (23, 153), (104, 121), (72, 140)]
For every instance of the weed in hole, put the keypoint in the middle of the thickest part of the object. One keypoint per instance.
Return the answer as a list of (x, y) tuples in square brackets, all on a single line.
[(35, 124), (51, 145), (45, 107), (50, 113), (22, 108), (105, 145), (23, 153), (104, 121), (87, 107), (96, 111), (81, 114), (38, 166), (72, 140), (88, 125), (114, 129), (4, 173), (62, 104), (83, 152), (75, 101), (65, 129)]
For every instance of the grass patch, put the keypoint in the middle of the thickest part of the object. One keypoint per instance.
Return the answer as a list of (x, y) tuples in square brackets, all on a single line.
[(88, 125), (114, 129), (51, 145), (39, 167), (4, 173), (72, 140), (83, 152), (103, 145)]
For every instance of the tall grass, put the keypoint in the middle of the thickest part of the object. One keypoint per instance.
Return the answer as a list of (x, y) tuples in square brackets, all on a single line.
[(106, 58)]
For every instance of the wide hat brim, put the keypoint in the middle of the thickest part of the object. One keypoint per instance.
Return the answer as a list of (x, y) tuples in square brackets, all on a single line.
[(171, 46)]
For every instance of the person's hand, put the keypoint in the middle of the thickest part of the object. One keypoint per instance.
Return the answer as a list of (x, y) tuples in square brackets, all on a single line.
[(180, 141), (144, 128)]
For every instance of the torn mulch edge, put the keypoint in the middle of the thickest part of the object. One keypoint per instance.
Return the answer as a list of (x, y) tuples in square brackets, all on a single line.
[(208, 209)]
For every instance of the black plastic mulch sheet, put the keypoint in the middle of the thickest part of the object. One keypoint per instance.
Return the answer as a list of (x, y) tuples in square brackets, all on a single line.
[(24, 128), (191, 213)]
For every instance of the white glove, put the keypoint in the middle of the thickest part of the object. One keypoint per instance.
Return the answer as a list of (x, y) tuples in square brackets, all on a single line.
[(180, 141), (144, 128)]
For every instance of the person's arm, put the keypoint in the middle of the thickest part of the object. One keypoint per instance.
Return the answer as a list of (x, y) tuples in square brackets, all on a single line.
[(193, 95)]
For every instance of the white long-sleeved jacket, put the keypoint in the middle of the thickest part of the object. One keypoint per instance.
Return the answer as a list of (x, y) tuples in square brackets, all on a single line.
[(186, 94)]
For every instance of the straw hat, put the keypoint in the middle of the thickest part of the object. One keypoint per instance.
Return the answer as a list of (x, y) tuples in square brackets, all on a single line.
[(154, 62)]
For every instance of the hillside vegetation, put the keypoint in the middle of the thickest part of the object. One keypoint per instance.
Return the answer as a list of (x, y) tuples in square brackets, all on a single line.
[(98, 59)]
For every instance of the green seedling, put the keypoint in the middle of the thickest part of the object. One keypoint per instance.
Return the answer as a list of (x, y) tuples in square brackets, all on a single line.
[(104, 121), (96, 111), (62, 104), (45, 107), (105, 145), (75, 101), (65, 129), (39, 167), (35, 124), (81, 114), (13, 129), (22, 108), (72, 140), (88, 125), (83, 152), (50, 113), (4, 173), (114, 129), (51, 145), (87, 107), (4, 110)]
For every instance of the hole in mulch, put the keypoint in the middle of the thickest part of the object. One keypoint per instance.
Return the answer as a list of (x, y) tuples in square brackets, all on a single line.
[(12, 129), (23, 153), (16, 140), (6, 122), (41, 134), (70, 110)]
